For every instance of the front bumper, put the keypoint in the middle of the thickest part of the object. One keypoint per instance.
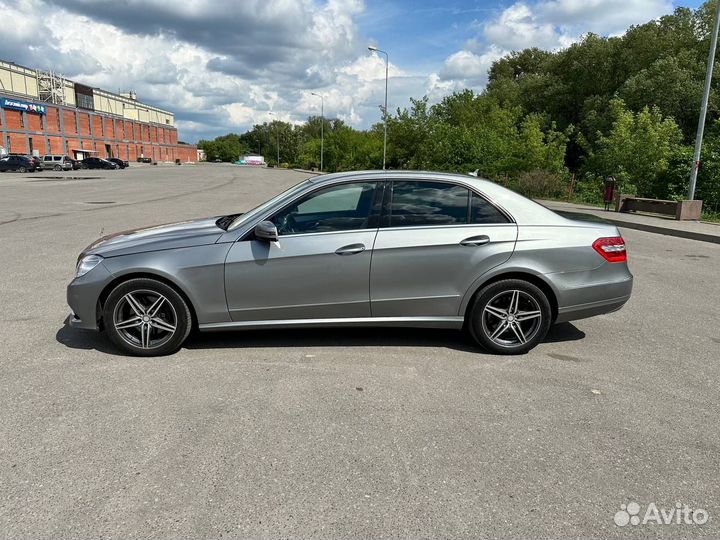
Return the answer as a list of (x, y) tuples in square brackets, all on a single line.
[(83, 295)]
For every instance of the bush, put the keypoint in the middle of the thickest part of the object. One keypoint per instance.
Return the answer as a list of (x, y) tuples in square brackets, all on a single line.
[(541, 185)]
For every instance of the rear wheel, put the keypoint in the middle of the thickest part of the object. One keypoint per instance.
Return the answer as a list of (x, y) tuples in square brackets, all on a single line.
[(510, 316), (22, 169), (146, 317), (57, 168)]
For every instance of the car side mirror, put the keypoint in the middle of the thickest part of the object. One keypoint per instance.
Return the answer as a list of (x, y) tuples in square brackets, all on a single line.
[(267, 231)]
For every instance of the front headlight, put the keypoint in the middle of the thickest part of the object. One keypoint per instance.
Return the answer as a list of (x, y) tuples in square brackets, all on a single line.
[(87, 263)]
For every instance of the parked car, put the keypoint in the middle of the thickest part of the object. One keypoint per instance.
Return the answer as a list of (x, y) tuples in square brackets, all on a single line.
[(97, 163), (17, 163), (57, 162), (76, 164), (119, 162), (37, 162), (447, 251), (144, 160)]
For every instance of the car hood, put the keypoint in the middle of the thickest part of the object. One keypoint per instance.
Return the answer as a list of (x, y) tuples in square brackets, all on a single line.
[(182, 234)]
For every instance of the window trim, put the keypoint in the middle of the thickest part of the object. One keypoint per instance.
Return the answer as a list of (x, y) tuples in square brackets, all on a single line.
[(386, 215), (375, 213)]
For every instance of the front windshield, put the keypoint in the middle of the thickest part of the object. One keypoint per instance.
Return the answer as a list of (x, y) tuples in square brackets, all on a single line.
[(243, 218)]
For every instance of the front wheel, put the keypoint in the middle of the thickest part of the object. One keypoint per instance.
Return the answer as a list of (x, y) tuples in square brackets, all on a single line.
[(510, 316), (145, 317)]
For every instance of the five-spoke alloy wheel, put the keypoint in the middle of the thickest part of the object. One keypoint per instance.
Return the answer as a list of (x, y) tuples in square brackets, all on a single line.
[(146, 317), (510, 316)]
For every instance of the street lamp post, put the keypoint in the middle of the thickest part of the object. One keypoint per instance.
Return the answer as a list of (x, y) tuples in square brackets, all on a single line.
[(277, 131), (387, 62), (703, 106), (322, 127)]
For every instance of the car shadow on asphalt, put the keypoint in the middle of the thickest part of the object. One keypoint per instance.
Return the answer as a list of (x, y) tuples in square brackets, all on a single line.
[(314, 337), (357, 337)]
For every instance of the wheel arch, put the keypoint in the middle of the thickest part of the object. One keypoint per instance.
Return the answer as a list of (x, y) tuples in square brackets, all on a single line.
[(524, 275), (148, 275)]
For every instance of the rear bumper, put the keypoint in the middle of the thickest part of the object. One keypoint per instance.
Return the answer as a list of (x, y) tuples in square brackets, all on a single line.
[(583, 311), (594, 293)]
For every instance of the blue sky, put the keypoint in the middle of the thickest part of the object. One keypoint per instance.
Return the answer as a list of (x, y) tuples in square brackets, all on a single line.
[(223, 70)]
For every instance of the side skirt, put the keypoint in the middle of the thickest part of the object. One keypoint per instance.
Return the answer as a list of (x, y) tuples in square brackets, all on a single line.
[(415, 322)]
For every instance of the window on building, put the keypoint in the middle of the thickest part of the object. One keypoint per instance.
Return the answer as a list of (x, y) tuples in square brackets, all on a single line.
[(30, 144), (22, 120)]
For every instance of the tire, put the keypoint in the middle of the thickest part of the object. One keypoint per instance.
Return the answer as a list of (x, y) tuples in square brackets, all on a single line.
[(22, 170), (498, 305), (57, 168), (145, 334), (83, 166)]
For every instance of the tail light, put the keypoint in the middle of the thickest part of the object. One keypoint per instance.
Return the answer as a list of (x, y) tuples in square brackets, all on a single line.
[(611, 249)]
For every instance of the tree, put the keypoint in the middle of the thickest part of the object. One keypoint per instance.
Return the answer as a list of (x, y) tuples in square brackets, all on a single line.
[(637, 150)]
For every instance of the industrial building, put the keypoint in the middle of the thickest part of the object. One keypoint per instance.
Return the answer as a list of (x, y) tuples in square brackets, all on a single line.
[(42, 112)]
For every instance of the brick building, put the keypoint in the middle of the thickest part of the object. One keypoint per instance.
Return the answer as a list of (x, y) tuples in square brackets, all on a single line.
[(43, 113)]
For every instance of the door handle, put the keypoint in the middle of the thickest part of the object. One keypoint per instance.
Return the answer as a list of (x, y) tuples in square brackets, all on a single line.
[(351, 249), (475, 241)]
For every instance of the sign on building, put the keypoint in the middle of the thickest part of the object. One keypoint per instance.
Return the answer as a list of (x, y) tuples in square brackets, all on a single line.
[(15, 105)]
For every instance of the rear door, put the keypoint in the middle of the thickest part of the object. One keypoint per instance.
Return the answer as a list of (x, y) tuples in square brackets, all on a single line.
[(435, 239)]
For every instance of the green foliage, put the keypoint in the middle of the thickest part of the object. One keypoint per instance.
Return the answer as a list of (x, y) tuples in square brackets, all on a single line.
[(637, 149), (227, 147)]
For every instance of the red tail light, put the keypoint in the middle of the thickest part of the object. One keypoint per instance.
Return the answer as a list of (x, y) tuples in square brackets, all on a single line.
[(611, 249)]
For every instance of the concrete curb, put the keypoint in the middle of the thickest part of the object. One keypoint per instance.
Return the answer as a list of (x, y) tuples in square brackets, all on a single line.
[(691, 235), (617, 219)]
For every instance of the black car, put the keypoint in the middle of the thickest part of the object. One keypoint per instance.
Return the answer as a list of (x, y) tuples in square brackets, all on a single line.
[(17, 163), (119, 162), (97, 163), (144, 160), (76, 164)]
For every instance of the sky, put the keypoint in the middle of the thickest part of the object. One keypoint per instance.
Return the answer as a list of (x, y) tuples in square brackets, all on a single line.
[(222, 66)]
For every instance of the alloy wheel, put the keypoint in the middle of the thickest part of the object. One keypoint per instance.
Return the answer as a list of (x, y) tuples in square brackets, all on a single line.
[(145, 319), (511, 318)]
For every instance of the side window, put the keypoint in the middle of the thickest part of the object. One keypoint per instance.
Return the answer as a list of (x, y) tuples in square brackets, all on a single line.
[(428, 203), (482, 211), (335, 208)]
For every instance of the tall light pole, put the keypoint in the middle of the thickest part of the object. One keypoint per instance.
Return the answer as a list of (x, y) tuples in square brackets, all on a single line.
[(387, 62), (703, 106), (322, 127), (277, 130)]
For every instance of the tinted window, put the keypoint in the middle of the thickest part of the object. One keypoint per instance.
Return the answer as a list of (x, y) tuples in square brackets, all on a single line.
[(484, 212), (336, 208), (428, 203)]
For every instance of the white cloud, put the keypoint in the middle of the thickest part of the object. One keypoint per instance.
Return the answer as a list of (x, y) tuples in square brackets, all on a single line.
[(518, 28), (469, 67)]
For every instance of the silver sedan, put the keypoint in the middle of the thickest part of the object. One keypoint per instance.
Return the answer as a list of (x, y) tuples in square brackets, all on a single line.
[(371, 248)]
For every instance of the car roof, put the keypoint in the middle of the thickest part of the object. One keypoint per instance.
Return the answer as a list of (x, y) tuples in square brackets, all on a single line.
[(522, 209)]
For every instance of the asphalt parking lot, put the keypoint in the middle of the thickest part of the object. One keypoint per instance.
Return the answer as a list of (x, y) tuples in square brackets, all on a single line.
[(341, 433)]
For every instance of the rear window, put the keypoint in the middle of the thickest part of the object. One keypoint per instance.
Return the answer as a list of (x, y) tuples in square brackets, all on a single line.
[(418, 203), (482, 211), (428, 203)]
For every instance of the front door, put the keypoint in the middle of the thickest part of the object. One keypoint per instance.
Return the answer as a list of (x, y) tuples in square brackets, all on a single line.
[(320, 266), (436, 239)]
